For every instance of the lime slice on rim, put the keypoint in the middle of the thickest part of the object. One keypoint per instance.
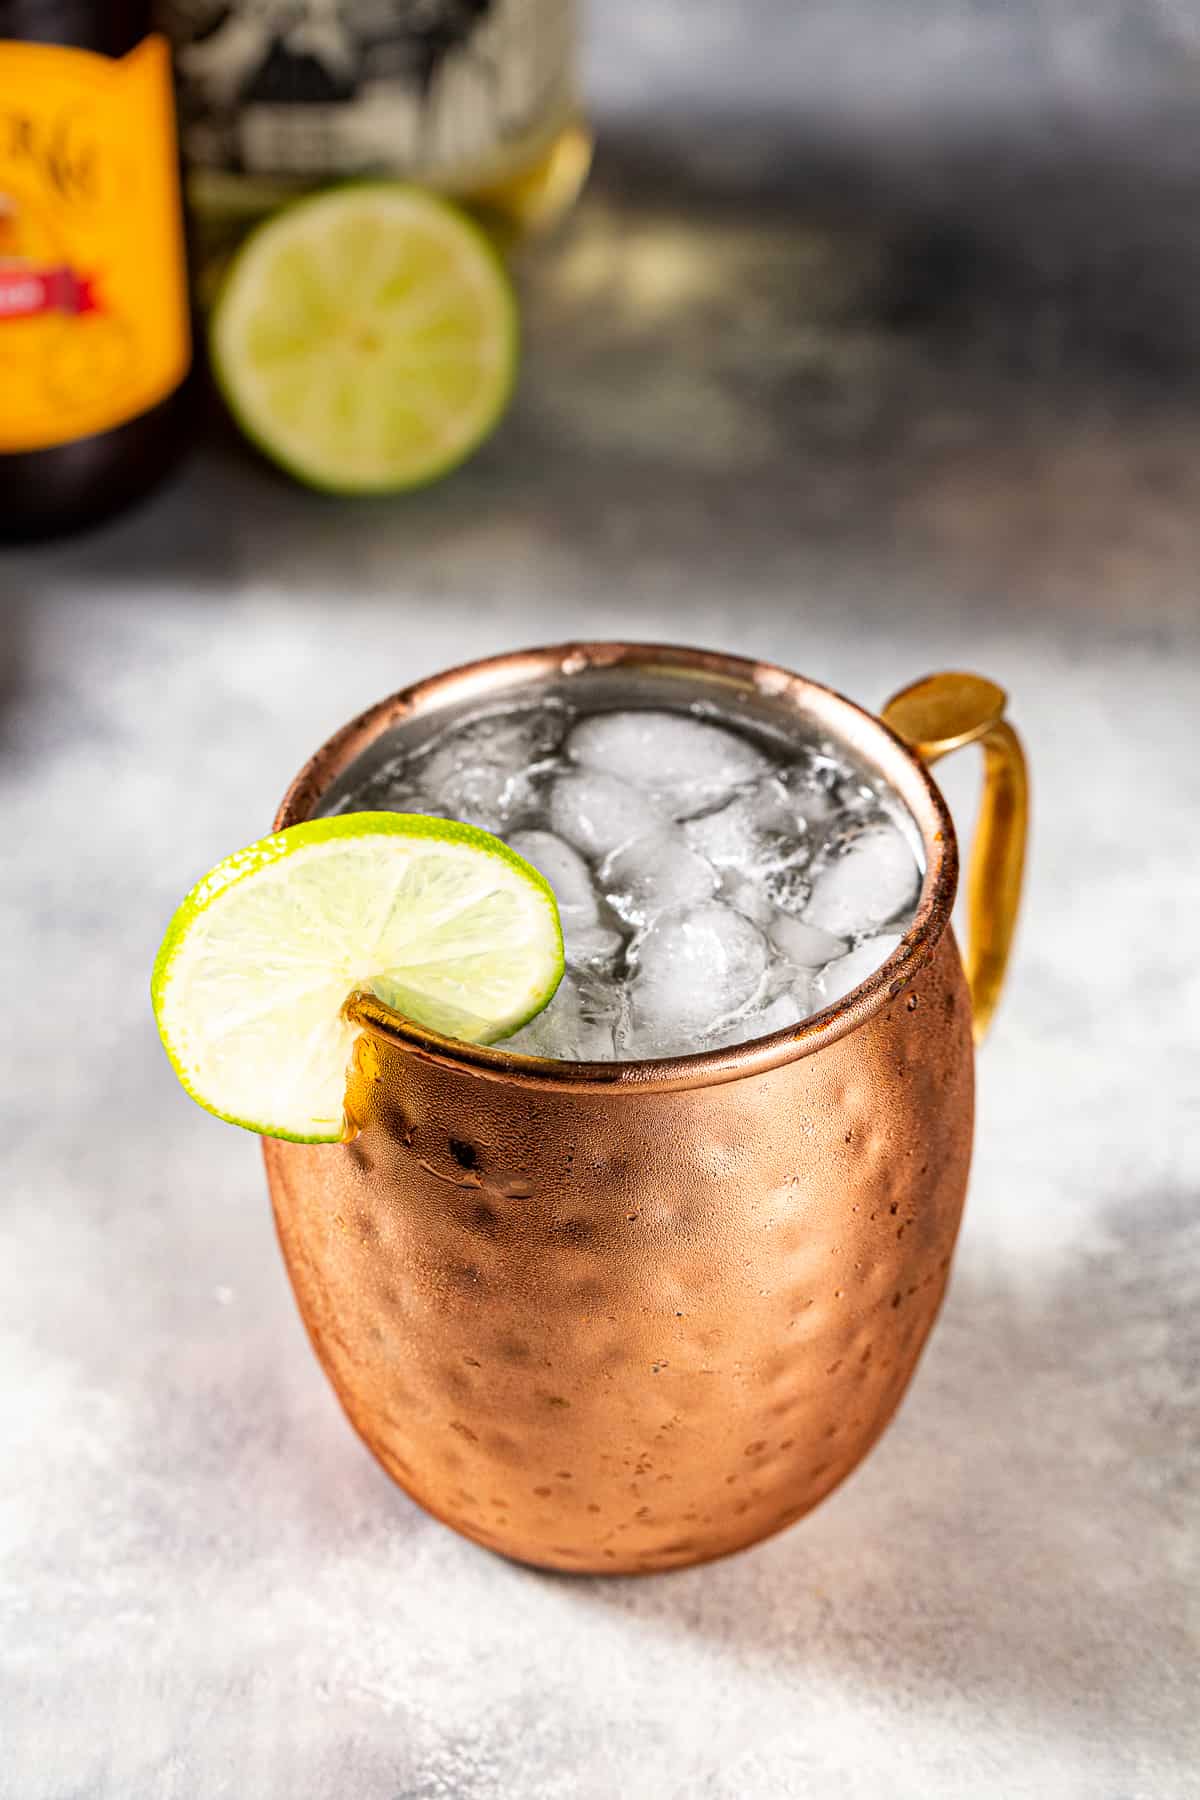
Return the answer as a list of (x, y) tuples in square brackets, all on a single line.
[(366, 338), (440, 921)]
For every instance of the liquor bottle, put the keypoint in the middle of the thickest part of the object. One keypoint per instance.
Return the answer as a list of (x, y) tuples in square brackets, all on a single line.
[(475, 98), (95, 341)]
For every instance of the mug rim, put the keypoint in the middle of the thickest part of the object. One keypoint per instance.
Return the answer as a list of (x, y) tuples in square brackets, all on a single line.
[(863, 732)]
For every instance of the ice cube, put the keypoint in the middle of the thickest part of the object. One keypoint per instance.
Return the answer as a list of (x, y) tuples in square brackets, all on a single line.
[(847, 972), (755, 830), (813, 804), (655, 871), (577, 1026), (853, 795), (590, 946), (564, 869), (684, 762), (804, 945), (803, 991), (788, 886), (749, 898), (693, 970), (597, 813), (783, 1011), (481, 772), (865, 884)]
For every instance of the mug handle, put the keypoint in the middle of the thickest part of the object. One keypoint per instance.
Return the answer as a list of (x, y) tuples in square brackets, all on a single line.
[(934, 716)]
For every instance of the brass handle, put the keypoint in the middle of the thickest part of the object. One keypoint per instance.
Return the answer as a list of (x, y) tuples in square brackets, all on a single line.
[(934, 716)]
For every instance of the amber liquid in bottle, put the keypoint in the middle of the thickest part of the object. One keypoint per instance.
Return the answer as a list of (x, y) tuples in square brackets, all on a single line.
[(95, 340), (475, 99)]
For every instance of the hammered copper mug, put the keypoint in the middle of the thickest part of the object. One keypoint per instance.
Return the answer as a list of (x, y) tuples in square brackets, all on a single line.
[(625, 1317)]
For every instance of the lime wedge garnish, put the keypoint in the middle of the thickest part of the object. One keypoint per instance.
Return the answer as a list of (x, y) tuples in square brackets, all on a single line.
[(440, 921), (366, 338)]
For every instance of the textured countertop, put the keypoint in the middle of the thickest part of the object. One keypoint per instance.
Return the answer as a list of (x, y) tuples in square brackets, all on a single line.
[(871, 350)]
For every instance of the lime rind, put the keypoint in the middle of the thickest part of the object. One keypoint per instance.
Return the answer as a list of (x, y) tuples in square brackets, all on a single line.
[(249, 988), (475, 272)]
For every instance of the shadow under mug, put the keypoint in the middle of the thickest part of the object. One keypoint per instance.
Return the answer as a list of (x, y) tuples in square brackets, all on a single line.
[(627, 1317)]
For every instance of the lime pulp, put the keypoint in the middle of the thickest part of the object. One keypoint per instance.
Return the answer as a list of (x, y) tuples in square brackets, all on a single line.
[(365, 338), (442, 922)]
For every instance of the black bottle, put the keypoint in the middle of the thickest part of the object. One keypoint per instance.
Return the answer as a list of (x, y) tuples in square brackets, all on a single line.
[(95, 339)]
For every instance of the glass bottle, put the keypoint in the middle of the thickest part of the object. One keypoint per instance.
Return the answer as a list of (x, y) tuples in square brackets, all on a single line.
[(474, 98), (95, 342)]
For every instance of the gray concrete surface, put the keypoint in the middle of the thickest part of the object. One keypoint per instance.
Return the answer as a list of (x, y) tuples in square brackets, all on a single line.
[(868, 385)]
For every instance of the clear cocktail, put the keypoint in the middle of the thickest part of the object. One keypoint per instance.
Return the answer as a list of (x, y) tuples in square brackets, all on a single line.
[(716, 883)]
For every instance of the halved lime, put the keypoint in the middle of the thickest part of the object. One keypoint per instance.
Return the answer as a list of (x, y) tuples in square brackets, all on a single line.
[(366, 338), (440, 921)]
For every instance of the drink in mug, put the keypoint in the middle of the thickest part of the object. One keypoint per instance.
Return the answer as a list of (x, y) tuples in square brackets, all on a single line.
[(716, 882), (636, 1311)]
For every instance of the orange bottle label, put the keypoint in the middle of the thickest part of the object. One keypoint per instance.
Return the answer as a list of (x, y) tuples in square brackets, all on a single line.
[(93, 292)]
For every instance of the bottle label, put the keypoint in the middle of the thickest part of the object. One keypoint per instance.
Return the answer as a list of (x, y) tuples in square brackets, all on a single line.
[(452, 92), (93, 292)]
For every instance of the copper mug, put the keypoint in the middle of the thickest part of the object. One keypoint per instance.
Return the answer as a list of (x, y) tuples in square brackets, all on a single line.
[(626, 1317)]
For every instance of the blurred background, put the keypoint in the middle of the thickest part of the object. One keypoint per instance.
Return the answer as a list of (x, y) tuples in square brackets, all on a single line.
[(871, 348)]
